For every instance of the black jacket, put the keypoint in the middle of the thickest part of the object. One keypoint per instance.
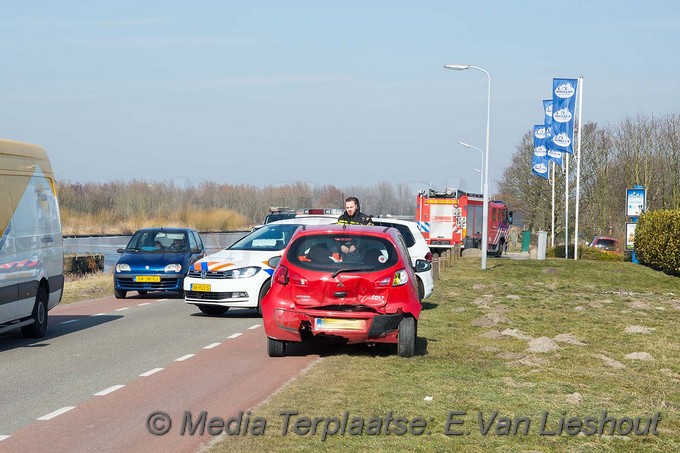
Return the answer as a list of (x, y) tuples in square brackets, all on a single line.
[(358, 218)]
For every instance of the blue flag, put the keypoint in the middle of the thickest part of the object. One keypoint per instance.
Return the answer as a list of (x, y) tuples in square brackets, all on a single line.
[(554, 155), (539, 160), (563, 107), (547, 109)]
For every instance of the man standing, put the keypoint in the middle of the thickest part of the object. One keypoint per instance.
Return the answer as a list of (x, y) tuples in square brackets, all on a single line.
[(352, 215)]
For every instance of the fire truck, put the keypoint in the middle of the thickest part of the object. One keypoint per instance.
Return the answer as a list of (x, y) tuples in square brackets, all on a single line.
[(453, 217)]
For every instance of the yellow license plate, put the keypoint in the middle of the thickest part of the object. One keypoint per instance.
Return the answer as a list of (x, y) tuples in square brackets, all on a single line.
[(147, 278), (339, 324), (202, 287)]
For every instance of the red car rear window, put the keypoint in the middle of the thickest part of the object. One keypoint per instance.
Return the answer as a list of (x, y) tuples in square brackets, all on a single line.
[(330, 252)]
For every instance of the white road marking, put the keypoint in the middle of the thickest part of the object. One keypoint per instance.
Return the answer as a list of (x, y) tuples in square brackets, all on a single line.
[(213, 345), (254, 327), (51, 415), (39, 344), (69, 321), (235, 335), (121, 309), (162, 300), (3, 437), (109, 390), (150, 372), (184, 357), (99, 314), (145, 303)]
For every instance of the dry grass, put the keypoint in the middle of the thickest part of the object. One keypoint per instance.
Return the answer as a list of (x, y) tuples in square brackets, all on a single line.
[(108, 222), (85, 287), (464, 363)]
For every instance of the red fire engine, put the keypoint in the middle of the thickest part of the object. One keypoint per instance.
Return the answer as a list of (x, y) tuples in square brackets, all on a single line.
[(455, 217)]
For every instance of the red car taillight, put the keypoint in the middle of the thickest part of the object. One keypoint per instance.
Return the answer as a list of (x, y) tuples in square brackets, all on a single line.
[(397, 279), (428, 256), (281, 275), (285, 276), (296, 279)]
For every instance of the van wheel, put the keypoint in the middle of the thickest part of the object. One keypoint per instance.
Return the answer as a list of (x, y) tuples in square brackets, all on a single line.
[(180, 293), (39, 315), (142, 293), (406, 337), (263, 292), (275, 348), (213, 310), (120, 294)]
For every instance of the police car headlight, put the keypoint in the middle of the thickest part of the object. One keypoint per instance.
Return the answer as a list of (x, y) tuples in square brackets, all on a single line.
[(173, 268), (122, 268), (243, 272)]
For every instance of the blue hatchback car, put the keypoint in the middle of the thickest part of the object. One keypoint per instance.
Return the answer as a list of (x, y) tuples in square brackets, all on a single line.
[(156, 259)]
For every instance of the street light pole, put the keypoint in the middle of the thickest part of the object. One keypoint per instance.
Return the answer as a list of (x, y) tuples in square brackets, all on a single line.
[(481, 179), (481, 172), (485, 188)]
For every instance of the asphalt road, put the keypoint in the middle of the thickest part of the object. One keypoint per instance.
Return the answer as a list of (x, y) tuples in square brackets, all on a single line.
[(106, 365)]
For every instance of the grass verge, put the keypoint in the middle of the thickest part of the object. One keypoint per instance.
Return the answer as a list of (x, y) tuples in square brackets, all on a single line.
[(88, 286), (608, 332)]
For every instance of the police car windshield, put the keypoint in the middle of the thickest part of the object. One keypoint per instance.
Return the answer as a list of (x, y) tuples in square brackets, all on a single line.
[(268, 238)]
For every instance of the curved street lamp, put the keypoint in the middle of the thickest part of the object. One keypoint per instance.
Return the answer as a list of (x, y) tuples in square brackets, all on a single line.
[(481, 176), (485, 187)]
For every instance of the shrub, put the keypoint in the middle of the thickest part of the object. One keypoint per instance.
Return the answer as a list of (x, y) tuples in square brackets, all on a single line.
[(585, 253), (657, 240)]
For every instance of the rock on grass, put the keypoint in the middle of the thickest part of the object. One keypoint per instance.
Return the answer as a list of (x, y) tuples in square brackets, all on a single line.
[(542, 344)]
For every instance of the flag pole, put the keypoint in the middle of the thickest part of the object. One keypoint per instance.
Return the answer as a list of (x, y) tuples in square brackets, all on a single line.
[(552, 228), (566, 208), (578, 163)]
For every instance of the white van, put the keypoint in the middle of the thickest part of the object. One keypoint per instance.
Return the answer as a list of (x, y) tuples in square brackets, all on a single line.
[(31, 249)]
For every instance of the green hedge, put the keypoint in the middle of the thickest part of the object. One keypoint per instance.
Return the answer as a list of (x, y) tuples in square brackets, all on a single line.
[(657, 240), (585, 253)]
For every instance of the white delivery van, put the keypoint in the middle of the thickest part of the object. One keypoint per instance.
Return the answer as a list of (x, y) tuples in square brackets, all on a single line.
[(31, 249)]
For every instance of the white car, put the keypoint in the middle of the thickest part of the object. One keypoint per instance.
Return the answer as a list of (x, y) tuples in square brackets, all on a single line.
[(240, 275), (417, 246)]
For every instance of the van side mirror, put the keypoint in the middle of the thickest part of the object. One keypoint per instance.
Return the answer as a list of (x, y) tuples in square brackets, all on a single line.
[(120, 250), (510, 217)]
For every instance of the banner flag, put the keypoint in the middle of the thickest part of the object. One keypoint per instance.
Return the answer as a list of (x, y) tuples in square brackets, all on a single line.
[(563, 107), (539, 160), (554, 155), (547, 109)]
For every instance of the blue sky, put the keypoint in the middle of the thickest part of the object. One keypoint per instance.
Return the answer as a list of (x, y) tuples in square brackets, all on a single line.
[(342, 92)]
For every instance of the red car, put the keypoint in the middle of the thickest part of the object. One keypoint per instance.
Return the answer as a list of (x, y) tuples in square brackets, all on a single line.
[(349, 284), (605, 243)]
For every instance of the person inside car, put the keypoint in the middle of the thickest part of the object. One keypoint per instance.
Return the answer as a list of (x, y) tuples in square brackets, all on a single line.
[(352, 214), (177, 244), (319, 253)]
